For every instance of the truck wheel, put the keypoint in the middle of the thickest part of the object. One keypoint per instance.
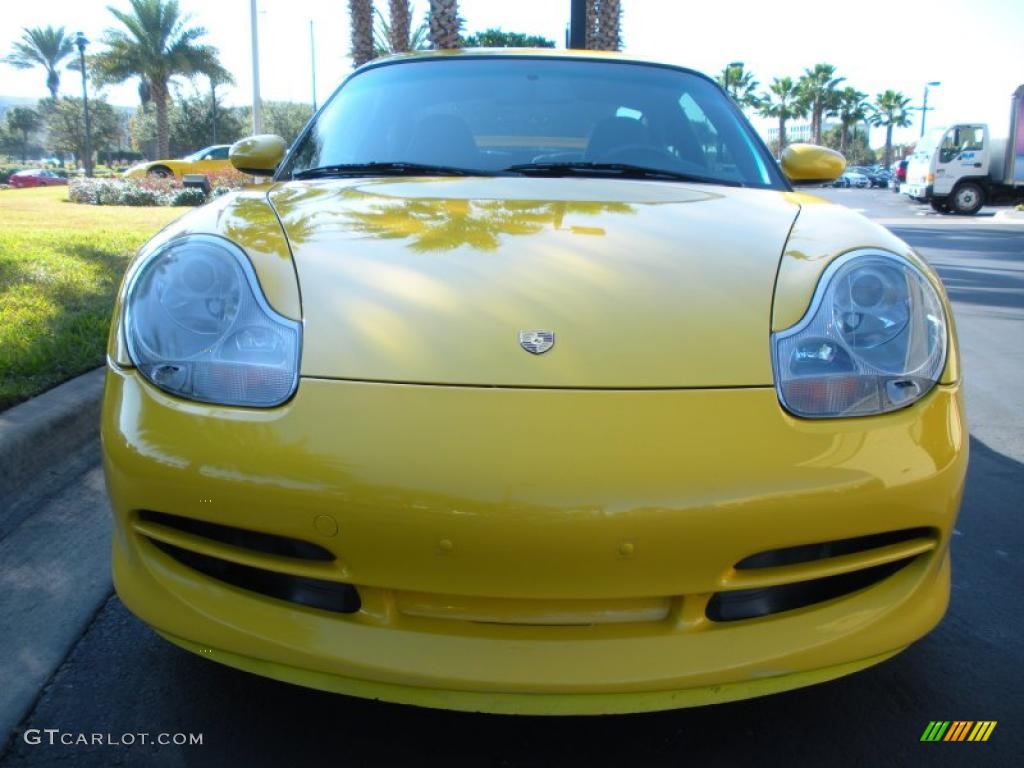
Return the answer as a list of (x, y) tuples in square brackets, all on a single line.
[(967, 198), (942, 206)]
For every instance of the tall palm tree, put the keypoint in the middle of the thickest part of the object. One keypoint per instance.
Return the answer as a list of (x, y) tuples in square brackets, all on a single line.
[(44, 47), (740, 85), (851, 109), (592, 10), (891, 109), (360, 15), (22, 121), (609, 25), (383, 44), (818, 86), (782, 100), (444, 23), (401, 21), (156, 45)]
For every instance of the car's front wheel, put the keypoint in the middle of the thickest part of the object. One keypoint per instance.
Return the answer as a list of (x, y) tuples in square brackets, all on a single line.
[(940, 206), (159, 172), (967, 198)]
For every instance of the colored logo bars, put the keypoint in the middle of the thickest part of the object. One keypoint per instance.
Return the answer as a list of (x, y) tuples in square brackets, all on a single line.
[(958, 730)]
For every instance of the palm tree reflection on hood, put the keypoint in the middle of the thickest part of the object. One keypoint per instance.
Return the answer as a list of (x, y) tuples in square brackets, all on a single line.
[(447, 224)]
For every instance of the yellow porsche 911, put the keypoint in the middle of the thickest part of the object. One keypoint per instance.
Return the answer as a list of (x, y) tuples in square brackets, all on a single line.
[(528, 384), (209, 160)]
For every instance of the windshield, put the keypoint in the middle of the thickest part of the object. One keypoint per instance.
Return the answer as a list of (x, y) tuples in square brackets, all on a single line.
[(497, 115), (926, 145)]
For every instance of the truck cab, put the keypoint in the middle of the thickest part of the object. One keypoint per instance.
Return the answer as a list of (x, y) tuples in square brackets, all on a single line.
[(951, 168)]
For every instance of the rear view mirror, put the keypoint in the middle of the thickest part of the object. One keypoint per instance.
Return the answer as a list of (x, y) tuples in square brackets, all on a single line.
[(258, 155), (811, 164)]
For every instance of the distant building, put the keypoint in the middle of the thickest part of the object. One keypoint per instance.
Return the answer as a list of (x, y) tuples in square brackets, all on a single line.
[(795, 132)]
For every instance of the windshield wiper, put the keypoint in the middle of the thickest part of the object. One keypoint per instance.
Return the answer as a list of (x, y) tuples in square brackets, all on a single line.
[(619, 170), (386, 169)]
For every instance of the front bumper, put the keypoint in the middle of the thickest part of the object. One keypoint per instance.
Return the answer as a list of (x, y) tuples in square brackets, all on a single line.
[(917, 191), (536, 551)]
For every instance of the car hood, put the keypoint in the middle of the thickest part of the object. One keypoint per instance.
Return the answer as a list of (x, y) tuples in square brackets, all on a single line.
[(642, 284)]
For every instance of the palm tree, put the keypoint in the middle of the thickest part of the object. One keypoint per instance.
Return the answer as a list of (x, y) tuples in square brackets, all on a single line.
[(444, 23), (852, 108), (740, 85), (383, 44), (44, 47), (360, 14), (21, 121), (591, 42), (401, 21), (609, 25), (818, 86), (890, 110), (782, 100), (156, 45)]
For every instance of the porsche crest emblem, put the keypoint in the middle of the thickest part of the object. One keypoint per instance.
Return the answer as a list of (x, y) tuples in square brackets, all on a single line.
[(537, 342)]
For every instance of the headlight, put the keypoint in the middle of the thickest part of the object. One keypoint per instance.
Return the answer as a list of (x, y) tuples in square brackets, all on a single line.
[(198, 326), (872, 341)]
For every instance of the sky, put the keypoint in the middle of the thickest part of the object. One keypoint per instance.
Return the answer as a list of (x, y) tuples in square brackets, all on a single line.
[(976, 49)]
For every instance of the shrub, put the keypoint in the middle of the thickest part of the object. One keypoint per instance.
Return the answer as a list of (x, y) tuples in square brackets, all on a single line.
[(132, 194), (6, 173), (148, 191), (227, 179), (189, 196)]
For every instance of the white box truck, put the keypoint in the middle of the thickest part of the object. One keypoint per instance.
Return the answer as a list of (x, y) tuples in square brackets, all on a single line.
[(961, 168)]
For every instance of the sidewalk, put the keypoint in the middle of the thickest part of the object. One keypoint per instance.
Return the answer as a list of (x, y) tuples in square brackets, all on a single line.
[(54, 537)]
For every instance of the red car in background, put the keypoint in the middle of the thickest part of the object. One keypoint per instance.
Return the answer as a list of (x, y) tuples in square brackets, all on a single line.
[(36, 177)]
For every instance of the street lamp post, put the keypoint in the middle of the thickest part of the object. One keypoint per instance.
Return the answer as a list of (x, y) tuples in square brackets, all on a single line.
[(312, 61), (81, 42), (924, 105), (577, 37), (257, 116), (213, 107)]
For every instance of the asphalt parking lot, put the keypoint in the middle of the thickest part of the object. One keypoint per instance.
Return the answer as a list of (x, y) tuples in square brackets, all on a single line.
[(120, 678)]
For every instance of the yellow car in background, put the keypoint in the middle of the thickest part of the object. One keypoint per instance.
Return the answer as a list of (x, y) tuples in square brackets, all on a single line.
[(206, 161), (530, 385)]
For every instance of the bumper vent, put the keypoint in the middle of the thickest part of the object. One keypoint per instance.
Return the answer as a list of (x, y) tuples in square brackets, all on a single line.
[(314, 593), (275, 566), (785, 579), (256, 541)]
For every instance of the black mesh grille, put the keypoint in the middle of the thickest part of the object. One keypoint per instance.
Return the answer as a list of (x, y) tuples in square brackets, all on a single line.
[(806, 553), (315, 593), (754, 603), (267, 543)]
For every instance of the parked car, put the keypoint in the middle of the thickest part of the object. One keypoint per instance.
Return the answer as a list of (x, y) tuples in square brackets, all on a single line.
[(209, 160), (36, 177), (529, 385), (853, 179), (877, 176)]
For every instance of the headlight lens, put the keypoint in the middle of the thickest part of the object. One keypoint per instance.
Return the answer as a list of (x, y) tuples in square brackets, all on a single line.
[(873, 340), (198, 326)]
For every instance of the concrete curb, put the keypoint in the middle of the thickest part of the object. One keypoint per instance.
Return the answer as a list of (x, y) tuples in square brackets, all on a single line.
[(35, 433), (1011, 215)]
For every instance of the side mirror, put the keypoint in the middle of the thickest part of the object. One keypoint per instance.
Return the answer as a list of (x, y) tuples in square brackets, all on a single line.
[(258, 155), (811, 164)]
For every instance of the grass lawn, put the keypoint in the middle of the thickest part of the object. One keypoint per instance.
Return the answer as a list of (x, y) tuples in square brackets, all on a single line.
[(60, 266)]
